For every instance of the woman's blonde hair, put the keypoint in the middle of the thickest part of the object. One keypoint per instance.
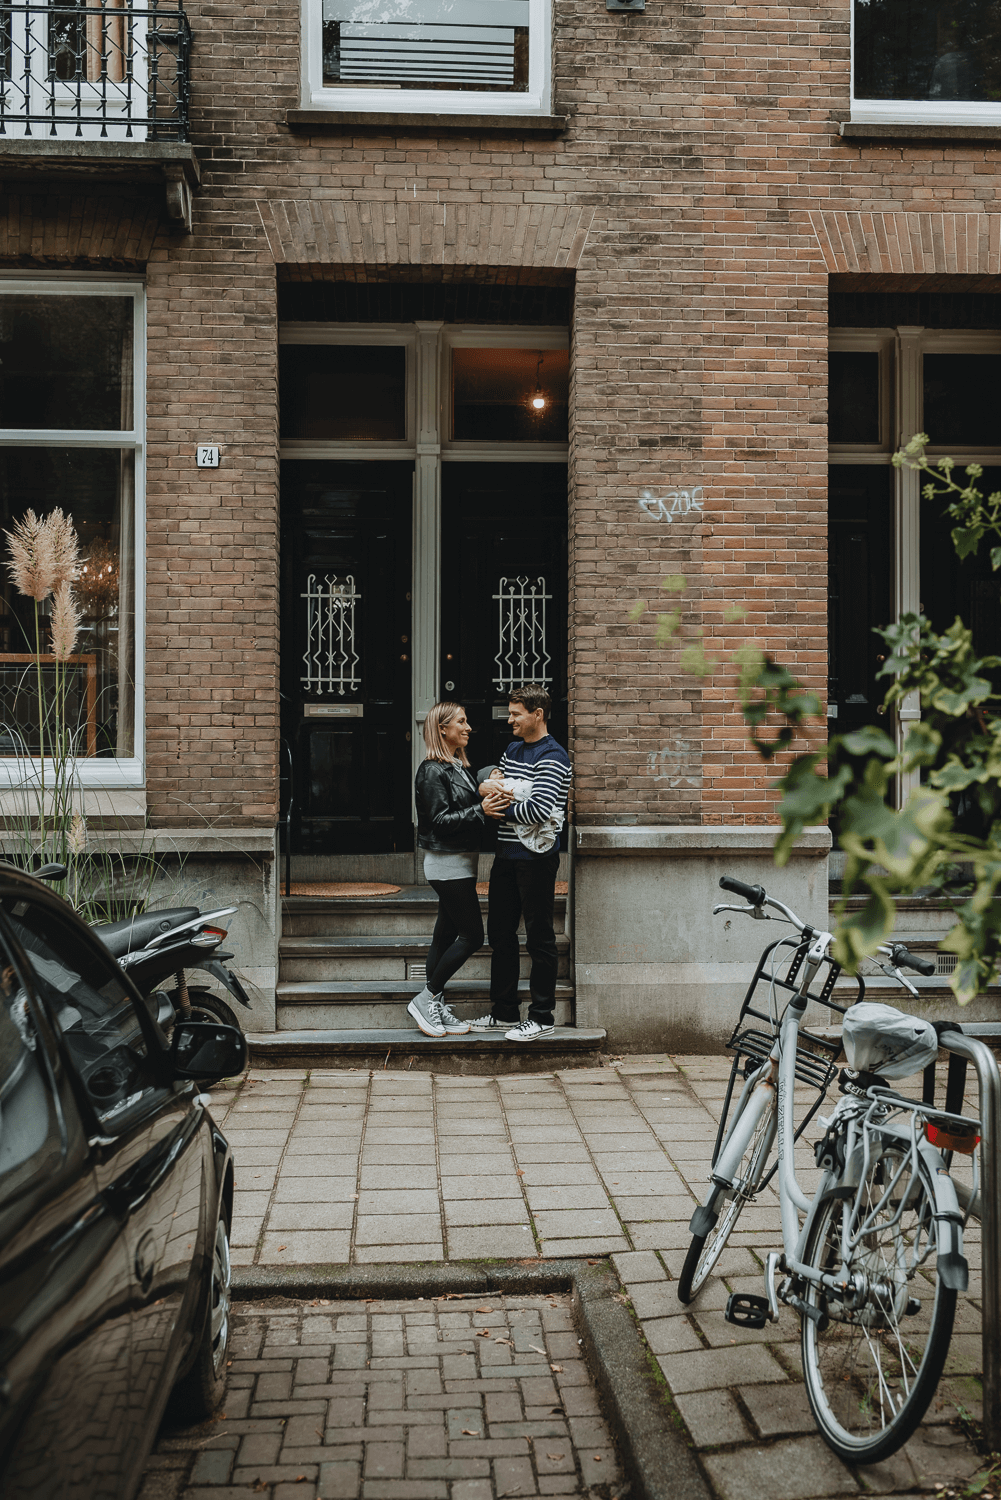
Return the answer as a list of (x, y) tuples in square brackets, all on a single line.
[(439, 717)]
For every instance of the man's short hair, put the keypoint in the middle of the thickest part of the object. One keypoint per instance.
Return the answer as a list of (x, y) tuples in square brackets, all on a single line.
[(532, 696)]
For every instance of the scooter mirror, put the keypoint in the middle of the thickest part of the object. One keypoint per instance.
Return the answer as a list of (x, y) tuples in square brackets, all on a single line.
[(204, 1051)]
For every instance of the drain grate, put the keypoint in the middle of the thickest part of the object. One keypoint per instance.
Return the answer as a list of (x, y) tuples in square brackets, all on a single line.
[(417, 970)]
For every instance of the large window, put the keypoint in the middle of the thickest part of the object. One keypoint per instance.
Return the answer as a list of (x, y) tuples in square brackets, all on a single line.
[(71, 401), (890, 551), (440, 56), (926, 60)]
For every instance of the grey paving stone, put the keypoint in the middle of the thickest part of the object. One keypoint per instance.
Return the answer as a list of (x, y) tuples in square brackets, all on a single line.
[(486, 1211), (713, 1417), (798, 1469), (397, 1201), (397, 1229), (706, 1369), (490, 1241), (670, 1335), (778, 1410)]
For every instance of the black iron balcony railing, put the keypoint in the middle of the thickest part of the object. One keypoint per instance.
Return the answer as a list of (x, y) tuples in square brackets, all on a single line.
[(107, 70)]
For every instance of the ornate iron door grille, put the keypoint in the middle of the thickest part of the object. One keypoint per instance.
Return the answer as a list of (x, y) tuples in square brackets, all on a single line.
[(331, 655), (522, 653)]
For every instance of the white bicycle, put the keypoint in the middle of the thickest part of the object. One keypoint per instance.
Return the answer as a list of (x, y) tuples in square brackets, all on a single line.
[(875, 1266)]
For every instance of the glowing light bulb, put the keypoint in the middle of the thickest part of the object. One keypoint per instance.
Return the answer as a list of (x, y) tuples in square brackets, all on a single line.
[(539, 402)]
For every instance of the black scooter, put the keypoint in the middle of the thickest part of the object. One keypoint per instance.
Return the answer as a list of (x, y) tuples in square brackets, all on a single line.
[(157, 946)]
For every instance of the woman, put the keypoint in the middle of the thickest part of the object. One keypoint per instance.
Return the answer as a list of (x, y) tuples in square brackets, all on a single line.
[(450, 823)]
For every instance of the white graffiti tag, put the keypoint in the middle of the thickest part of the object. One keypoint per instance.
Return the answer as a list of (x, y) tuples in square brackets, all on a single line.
[(674, 503), (676, 763)]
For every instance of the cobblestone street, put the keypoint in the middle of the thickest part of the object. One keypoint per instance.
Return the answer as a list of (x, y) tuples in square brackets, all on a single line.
[(455, 1398), (342, 1168)]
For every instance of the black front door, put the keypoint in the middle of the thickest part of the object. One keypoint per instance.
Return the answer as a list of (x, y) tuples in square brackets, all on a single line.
[(346, 653), (503, 592)]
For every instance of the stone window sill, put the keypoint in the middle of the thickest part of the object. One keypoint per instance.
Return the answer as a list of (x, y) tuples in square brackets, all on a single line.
[(887, 131), (422, 124)]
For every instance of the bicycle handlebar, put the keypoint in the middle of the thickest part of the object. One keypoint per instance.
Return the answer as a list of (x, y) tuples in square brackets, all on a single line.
[(755, 894), (901, 955)]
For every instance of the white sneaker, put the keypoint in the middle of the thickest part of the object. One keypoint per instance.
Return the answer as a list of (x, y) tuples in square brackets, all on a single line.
[(427, 1014), (453, 1026), (488, 1023), (528, 1031)]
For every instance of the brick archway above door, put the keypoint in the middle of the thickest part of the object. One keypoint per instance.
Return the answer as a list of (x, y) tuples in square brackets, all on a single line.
[(316, 231), (904, 244)]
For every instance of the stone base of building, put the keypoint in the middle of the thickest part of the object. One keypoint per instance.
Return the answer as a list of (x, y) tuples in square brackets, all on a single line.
[(653, 966)]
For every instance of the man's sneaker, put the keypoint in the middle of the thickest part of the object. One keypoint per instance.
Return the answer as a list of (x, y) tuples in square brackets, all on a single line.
[(427, 1012), (453, 1026), (528, 1031), (488, 1023)]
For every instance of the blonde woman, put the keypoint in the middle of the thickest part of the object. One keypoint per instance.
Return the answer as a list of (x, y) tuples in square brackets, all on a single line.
[(451, 818)]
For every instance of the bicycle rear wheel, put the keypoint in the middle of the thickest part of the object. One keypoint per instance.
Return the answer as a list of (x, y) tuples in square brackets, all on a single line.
[(706, 1249), (871, 1370)]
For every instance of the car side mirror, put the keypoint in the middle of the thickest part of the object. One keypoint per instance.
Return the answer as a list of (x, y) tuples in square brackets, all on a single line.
[(204, 1050)]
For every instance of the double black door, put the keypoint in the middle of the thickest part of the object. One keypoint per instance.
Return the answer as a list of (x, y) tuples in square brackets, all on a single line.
[(346, 655)]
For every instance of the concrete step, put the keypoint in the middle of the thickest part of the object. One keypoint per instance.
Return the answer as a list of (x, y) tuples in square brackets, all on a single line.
[(410, 913), (475, 1053), (382, 1004), (373, 956)]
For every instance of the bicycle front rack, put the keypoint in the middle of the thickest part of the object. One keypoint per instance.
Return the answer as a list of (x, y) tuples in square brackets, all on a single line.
[(816, 1065)]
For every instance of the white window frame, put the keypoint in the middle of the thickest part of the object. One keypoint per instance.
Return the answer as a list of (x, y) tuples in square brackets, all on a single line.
[(917, 111), (108, 771), (534, 101)]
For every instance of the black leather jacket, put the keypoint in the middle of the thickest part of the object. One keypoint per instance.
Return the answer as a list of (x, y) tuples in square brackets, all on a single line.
[(450, 819)]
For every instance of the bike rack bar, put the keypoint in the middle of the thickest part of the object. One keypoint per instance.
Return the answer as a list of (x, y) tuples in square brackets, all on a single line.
[(989, 1080)]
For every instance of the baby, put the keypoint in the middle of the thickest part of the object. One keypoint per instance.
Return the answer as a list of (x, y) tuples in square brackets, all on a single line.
[(539, 837)]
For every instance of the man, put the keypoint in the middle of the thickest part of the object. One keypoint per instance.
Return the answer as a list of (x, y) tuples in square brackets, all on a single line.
[(523, 881)]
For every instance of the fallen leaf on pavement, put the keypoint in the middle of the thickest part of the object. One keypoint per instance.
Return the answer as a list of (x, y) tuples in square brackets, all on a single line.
[(468, 1432), (509, 1342), (281, 1247), (535, 1349), (554, 1456), (597, 1458), (556, 1369), (484, 1309), (484, 1333)]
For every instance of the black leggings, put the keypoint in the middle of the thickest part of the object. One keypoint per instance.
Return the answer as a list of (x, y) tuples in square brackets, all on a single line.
[(458, 932)]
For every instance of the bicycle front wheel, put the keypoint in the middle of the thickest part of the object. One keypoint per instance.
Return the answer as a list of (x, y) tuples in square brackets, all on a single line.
[(871, 1367), (706, 1249)]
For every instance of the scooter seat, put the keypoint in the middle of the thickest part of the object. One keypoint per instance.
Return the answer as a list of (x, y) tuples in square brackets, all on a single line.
[(135, 932)]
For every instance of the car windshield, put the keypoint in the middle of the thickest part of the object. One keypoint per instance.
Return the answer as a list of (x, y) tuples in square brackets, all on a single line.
[(85, 992)]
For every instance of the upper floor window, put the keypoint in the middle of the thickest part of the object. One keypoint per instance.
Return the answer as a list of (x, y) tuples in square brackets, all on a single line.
[(438, 56), (926, 61)]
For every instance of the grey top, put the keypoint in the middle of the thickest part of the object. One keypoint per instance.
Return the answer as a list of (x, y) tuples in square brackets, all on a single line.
[(457, 865)]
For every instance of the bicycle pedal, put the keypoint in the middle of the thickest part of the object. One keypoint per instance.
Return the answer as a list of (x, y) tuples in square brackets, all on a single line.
[(746, 1310)]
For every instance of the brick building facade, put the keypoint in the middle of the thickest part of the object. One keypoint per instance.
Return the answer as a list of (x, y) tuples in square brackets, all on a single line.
[(690, 199)]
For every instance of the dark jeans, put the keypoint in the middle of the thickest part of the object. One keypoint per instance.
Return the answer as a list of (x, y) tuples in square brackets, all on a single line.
[(458, 932), (523, 887)]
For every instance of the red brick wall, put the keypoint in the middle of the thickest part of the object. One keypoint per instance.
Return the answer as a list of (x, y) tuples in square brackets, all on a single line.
[(700, 140)]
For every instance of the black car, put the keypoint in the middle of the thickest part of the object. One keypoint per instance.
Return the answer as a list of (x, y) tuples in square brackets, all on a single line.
[(116, 1193)]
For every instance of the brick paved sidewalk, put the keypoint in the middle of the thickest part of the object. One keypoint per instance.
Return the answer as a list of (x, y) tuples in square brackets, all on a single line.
[(341, 1167), (457, 1398)]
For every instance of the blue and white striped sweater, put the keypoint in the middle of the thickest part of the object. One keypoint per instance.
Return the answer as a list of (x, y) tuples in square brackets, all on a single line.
[(547, 766)]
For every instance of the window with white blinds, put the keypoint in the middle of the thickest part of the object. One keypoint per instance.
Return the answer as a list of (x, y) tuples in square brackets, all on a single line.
[(445, 56)]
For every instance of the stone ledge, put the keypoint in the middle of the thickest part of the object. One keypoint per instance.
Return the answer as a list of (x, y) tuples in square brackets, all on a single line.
[(888, 131), (659, 839), (172, 163), (355, 120), (187, 841)]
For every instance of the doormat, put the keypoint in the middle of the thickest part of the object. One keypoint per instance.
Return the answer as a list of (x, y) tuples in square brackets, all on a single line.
[(335, 888), (483, 887)]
